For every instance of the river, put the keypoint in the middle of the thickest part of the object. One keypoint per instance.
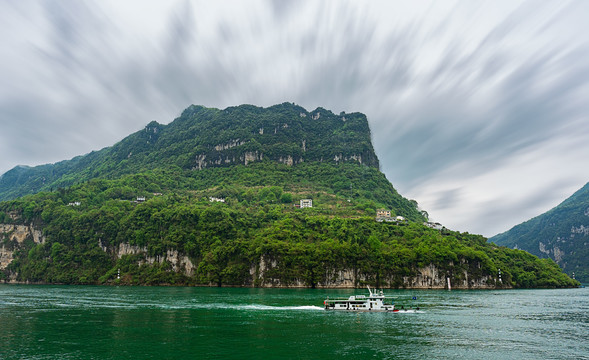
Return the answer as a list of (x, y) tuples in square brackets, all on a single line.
[(95, 322)]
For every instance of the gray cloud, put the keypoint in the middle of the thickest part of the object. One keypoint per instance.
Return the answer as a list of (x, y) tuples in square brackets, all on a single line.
[(467, 103)]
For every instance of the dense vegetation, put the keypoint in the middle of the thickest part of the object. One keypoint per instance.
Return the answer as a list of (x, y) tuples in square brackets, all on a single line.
[(204, 137), (226, 240), (261, 162), (561, 234)]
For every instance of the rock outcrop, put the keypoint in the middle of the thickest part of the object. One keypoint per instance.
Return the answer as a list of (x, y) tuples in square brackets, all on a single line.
[(13, 238), (261, 273), (429, 277)]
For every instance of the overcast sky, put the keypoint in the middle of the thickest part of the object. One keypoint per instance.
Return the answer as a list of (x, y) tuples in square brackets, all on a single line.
[(479, 110)]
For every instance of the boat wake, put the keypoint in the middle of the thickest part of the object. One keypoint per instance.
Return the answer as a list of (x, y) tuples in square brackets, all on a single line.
[(268, 307), (409, 311)]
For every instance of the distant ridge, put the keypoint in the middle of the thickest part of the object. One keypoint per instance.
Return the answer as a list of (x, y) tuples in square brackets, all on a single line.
[(561, 234)]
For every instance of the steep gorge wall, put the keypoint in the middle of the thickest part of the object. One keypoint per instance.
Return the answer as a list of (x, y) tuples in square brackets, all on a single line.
[(13, 237), (262, 273), (179, 261), (429, 277)]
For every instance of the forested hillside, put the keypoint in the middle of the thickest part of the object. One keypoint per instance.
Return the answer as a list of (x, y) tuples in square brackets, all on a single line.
[(256, 237), (213, 198), (203, 138), (561, 234)]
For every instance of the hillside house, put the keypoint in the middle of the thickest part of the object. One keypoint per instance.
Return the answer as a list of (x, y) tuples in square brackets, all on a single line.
[(433, 225), (383, 215), (306, 203)]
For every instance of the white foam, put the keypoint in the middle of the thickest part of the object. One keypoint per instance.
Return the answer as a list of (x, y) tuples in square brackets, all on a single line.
[(284, 308)]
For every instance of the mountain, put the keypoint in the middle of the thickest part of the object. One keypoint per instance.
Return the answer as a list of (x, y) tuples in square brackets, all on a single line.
[(219, 197), (204, 137), (561, 234)]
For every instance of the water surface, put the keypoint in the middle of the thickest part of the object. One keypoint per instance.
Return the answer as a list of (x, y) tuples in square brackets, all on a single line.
[(74, 322)]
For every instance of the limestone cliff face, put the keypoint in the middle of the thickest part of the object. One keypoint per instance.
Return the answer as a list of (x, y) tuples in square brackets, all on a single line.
[(262, 273), (429, 277), (179, 261), (13, 237)]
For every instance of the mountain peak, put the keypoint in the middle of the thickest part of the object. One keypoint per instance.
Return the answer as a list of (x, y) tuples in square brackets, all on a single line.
[(208, 137)]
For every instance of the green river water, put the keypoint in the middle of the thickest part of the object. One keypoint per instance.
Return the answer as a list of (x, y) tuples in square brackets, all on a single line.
[(91, 322)]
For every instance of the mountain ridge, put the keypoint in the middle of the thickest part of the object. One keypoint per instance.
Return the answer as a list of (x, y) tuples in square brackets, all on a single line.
[(219, 198), (561, 233), (209, 137)]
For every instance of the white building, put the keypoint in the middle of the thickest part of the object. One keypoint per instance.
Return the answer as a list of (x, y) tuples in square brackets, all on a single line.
[(433, 225), (306, 203)]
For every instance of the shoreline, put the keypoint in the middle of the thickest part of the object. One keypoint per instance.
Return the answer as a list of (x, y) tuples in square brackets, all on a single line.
[(284, 287)]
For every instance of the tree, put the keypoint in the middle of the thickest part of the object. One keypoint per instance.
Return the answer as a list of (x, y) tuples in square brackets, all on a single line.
[(286, 198)]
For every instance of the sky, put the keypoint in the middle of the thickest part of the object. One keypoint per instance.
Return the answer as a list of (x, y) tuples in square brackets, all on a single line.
[(479, 110)]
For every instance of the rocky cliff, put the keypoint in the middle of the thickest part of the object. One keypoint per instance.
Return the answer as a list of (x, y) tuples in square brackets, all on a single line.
[(14, 238), (21, 237), (429, 277), (215, 198)]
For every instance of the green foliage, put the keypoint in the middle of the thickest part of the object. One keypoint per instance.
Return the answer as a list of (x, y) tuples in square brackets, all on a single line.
[(205, 138), (227, 242), (260, 162), (563, 230), (286, 198)]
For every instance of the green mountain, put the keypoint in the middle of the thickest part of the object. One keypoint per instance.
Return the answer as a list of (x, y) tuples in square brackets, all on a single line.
[(215, 198), (203, 138), (561, 234)]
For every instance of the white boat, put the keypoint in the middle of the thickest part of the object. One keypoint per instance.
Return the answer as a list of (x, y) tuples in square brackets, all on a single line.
[(375, 301)]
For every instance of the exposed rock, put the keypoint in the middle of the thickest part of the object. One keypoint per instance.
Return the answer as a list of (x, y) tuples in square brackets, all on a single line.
[(232, 143), (16, 236), (288, 160), (179, 262), (428, 277), (558, 254), (542, 248), (128, 249), (580, 230), (341, 157), (251, 156), (200, 161)]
